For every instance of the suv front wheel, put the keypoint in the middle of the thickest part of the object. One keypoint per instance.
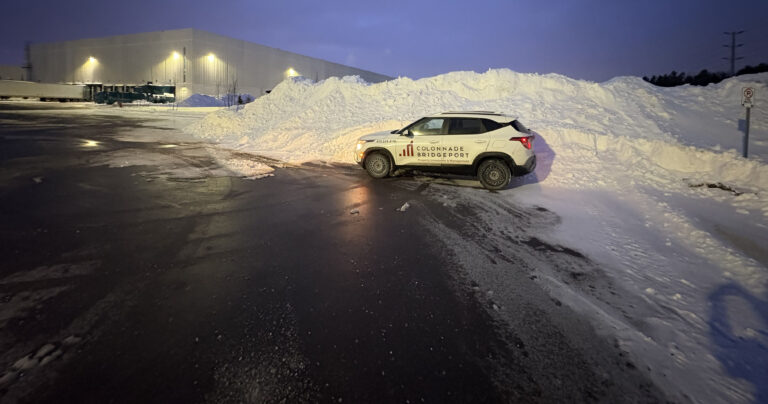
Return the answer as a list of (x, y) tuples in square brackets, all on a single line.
[(377, 165), (494, 174)]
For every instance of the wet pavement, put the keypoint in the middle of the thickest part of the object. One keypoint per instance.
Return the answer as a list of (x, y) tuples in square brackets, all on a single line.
[(309, 286)]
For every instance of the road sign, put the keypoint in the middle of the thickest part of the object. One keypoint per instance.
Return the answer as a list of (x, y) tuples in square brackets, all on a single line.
[(747, 94), (746, 100)]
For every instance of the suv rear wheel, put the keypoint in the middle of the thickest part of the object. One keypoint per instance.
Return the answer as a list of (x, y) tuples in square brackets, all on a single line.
[(494, 174), (377, 165)]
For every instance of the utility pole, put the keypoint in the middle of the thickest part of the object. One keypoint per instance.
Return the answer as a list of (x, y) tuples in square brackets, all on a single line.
[(733, 47), (27, 62)]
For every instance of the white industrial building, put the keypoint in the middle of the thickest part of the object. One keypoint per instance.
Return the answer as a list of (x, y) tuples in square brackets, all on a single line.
[(192, 60), (8, 72)]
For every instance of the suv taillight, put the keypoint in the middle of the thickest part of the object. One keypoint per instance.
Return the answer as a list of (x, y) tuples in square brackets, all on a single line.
[(526, 141)]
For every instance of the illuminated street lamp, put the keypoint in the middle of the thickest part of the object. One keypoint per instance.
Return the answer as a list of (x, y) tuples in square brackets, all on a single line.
[(175, 66), (89, 67), (215, 73)]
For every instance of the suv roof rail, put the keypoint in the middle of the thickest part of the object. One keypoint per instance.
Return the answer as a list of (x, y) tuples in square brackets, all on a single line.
[(473, 113), (470, 112)]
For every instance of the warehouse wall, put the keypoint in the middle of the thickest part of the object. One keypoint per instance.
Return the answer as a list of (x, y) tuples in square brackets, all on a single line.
[(258, 68), (121, 59), (8, 72), (212, 62)]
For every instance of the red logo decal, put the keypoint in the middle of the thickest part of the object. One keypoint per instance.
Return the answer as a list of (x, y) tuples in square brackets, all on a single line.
[(408, 152)]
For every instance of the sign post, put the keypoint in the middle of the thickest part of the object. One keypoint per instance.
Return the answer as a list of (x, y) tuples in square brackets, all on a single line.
[(746, 101)]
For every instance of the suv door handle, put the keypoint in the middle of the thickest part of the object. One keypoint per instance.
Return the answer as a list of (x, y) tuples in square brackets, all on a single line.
[(481, 141), (434, 141)]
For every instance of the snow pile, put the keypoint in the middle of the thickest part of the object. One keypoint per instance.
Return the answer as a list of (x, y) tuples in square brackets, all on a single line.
[(302, 120), (202, 100)]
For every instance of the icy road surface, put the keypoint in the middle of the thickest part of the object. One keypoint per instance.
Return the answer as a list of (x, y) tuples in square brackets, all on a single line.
[(148, 271)]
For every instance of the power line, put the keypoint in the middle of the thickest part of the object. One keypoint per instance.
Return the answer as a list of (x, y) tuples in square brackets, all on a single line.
[(733, 47)]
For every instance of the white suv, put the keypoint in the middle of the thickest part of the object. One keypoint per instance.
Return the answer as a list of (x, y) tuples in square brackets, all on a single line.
[(491, 146)]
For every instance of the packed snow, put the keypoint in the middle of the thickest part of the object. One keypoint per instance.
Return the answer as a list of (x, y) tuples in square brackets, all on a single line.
[(648, 182), (203, 100), (302, 120)]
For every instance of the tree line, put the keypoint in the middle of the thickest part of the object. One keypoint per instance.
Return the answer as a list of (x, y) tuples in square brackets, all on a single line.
[(703, 78)]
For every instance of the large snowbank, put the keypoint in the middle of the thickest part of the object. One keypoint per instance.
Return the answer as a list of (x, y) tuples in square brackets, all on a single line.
[(302, 120), (202, 100)]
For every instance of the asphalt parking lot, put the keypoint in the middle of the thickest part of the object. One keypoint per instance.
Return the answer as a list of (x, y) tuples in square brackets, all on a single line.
[(118, 286)]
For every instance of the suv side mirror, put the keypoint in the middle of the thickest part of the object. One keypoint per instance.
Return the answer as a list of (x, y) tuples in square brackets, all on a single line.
[(407, 132)]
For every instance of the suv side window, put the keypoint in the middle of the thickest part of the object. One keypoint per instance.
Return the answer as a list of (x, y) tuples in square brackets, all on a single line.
[(429, 126), (491, 125), (465, 126)]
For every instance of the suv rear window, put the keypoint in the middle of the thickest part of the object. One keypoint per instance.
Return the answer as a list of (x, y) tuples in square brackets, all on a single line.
[(491, 125), (465, 126)]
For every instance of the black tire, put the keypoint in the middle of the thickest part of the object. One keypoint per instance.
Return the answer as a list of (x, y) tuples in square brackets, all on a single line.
[(494, 174), (377, 165)]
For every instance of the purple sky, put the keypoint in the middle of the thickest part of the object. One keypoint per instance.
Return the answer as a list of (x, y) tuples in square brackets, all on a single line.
[(589, 39)]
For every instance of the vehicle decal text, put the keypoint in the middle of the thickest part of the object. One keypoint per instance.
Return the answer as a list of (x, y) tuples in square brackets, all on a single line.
[(441, 151)]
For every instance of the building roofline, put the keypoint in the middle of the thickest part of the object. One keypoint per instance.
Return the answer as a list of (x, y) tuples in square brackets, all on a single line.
[(287, 51), (192, 32), (111, 36)]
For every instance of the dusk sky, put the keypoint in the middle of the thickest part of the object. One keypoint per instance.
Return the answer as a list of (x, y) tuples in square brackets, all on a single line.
[(591, 39)]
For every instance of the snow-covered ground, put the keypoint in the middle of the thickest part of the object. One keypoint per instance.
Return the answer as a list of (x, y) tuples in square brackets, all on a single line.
[(648, 182)]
